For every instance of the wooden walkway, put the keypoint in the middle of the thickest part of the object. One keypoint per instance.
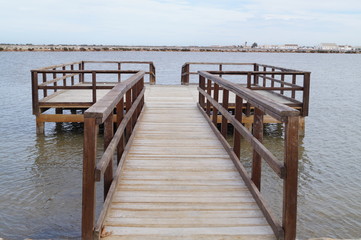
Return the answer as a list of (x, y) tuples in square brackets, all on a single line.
[(178, 181)]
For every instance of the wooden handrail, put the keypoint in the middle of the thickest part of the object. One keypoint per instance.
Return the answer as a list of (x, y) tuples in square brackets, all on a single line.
[(276, 110), (99, 113), (57, 66), (286, 169)]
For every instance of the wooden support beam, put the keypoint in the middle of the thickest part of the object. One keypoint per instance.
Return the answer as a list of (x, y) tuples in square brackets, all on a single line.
[(290, 181), (88, 195)]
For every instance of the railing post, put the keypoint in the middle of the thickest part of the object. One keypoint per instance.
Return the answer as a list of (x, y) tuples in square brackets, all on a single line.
[(82, 74), (237, 135), (55, 83), (255, 77), (224, 126), (88, 192), (94, 87), (215, 110), (45, 91), (290, 180), (151, 74), (120, 116), (108, 135), (186, 74), (64, 80), (209, 91), (257, 160), (72, 78), (34, 88), (220, 69), (306, 94), (282, 85), (134, 97), (264, 76), (202, 83), (294, 78), (128, 105), (119, 74)]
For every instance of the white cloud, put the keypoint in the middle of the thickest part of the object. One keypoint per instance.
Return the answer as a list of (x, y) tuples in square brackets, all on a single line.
[(178, 22)]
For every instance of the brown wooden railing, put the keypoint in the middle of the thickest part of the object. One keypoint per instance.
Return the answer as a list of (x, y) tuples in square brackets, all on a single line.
[(78, 75), (291, 85), (287, 169), (132, 91)]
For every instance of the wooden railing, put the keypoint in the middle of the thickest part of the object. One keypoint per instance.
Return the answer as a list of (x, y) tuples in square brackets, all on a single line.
[(78, 75), (291, 85), (287, 169), (187, 71), (132, 91)]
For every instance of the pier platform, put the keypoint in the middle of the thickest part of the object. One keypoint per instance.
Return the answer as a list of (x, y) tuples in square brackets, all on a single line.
[(178, 181), (167, 168)]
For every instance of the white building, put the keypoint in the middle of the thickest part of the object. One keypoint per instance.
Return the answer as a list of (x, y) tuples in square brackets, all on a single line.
[(345, 47), (289, 46), (328, 46)]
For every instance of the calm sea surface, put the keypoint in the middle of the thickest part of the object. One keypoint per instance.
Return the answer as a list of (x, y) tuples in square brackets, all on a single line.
[(40, 176)]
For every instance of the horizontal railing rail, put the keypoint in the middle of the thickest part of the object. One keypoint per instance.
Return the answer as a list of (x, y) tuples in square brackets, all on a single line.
[(291, 85), (131, 94), (209, 88)]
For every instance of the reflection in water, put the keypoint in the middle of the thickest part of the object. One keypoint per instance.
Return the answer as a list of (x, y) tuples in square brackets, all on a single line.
[(57, 170)]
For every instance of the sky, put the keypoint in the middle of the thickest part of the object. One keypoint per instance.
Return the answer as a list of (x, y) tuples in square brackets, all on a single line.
[(180, 22)]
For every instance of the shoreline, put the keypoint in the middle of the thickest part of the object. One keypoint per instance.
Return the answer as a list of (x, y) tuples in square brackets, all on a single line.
[(115, 48)]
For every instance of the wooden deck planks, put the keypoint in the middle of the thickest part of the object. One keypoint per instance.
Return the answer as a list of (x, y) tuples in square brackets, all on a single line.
[(178, 182)]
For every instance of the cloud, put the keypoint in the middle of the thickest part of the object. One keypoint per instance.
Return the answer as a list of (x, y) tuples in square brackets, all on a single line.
[(186, 22)]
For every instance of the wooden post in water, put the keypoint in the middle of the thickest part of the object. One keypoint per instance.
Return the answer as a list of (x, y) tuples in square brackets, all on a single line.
[(291, 177), (88, 193)]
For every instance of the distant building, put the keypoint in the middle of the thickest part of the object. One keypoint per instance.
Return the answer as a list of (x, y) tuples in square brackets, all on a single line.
[(328, 46), (345, 47), (289, 46), (269, 47)]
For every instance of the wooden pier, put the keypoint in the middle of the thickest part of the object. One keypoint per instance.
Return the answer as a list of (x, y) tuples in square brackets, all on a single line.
[(167, 169)]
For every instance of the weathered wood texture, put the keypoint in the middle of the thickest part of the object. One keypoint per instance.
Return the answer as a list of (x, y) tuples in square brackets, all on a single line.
[(178, 182)]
